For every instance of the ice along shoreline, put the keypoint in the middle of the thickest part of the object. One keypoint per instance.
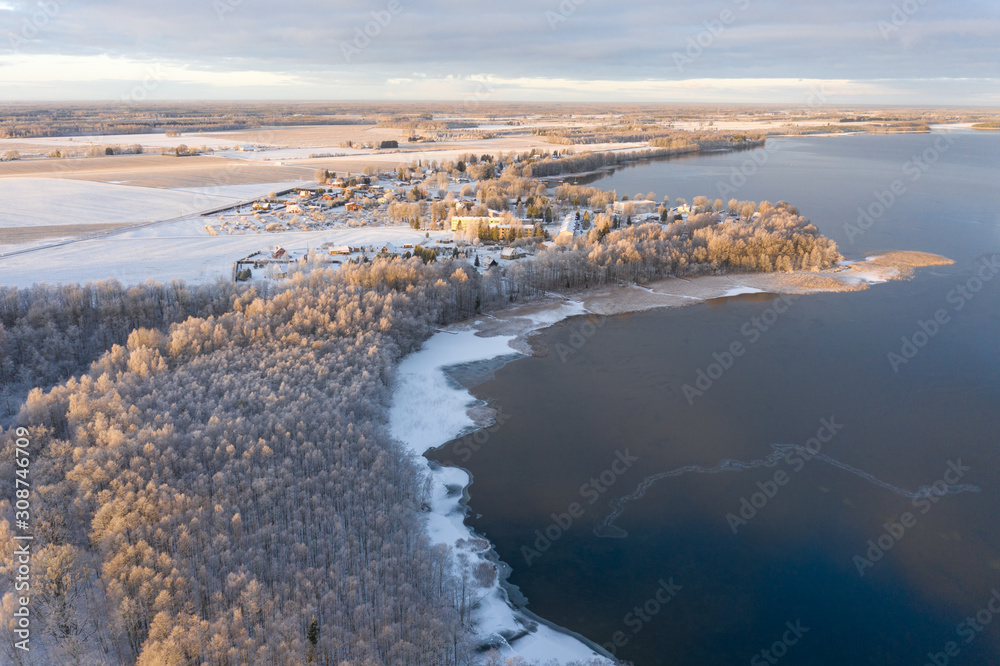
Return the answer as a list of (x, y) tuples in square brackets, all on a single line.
[(430, 408)]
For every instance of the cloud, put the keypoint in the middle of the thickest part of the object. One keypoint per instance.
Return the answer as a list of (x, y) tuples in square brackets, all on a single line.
[(255, 48)]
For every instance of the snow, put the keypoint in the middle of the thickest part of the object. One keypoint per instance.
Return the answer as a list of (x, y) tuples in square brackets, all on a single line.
[(875, 276), (870, 277), (176, 250), (428, 410), (271, 154), (27, 202), (949, 127), (568, 223), (247, 191), (737, 291), (151, 140)]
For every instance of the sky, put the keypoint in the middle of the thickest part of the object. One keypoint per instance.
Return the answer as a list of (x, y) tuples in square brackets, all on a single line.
[(907, 52)]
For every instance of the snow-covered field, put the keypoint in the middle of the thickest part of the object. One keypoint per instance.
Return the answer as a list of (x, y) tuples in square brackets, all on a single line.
[(146, 140), (428, 410), (178, 250), (290, 153), (245, 191), (26, 202)]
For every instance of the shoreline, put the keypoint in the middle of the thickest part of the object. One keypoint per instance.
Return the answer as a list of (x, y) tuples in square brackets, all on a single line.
[(431, 408)]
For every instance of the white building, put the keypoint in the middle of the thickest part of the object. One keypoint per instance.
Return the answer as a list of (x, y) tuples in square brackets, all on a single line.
[(639, 207)]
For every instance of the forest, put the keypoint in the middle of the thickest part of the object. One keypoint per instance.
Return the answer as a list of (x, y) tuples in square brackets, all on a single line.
[(664, 147), (49, 333), (213, 481), (202, 495), (655, 134)]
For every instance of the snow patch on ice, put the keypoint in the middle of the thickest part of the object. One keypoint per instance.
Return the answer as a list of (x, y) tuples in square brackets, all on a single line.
[(429, 409), (738, 291)]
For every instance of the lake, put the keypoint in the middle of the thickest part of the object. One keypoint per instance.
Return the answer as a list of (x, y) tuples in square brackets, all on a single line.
[(814, 500)]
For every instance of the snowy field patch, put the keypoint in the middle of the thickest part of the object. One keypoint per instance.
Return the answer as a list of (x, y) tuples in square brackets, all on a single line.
[(246, 191), (179, 250), (26, 202)]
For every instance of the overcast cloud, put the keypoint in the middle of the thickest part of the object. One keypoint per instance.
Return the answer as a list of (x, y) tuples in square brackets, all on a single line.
[(882, 51)]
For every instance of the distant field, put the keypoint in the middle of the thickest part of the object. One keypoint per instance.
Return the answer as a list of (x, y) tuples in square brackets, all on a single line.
[(303, 137), (291, 163), (156, 170), (452, 150), (81, 167)]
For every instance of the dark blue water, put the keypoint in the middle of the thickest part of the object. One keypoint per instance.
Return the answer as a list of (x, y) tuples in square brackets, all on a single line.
[(586, 428)]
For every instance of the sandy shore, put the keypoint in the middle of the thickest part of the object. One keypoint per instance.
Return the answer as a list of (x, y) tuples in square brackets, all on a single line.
[(684, 291)]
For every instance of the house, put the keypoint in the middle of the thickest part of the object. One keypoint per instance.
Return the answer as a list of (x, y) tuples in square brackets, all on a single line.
[(279, 253), (352, 207), (340, 249), (490, 263), (511, 253), (293, 208), (638, 207), (261, 205), (388, 250)]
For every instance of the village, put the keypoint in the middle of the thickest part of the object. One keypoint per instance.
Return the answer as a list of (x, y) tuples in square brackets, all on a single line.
[(457, 216)]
